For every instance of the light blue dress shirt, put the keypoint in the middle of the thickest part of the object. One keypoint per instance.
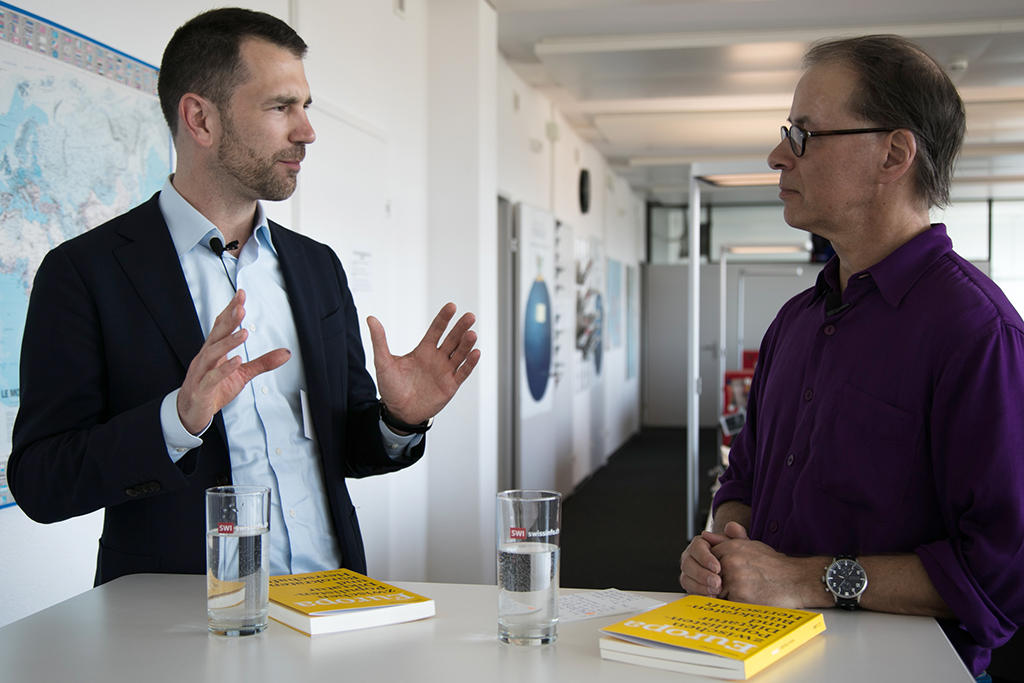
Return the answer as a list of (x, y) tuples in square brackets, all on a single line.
[(270, 442)]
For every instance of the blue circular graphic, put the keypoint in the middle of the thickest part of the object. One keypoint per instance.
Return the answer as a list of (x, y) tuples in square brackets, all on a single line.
[(537, 339)]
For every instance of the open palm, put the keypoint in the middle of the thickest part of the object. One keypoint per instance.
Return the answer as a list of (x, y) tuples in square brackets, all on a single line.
[(419, 384)]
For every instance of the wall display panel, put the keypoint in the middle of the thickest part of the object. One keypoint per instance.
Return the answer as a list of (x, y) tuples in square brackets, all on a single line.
[(590, 310), (83, 140), (613, 340), (632, 322), (535, 314)]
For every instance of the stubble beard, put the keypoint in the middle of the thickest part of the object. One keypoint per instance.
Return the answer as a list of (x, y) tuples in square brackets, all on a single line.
[(259, 175)]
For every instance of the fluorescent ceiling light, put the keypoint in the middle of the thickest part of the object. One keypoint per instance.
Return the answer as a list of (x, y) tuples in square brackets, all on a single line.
[(741, 179), (762, 249)]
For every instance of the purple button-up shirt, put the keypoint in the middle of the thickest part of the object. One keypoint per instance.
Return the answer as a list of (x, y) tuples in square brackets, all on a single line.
[(890, 419)]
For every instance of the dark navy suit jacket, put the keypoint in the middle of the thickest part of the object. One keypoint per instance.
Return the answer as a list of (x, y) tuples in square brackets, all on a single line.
[(111, 330)]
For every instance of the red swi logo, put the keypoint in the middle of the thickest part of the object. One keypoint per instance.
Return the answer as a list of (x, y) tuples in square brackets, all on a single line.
[(225, 528), (517, 533)]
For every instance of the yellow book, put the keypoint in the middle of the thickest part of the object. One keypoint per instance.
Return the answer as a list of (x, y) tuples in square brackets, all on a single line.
[(710, 637), (341, 600)]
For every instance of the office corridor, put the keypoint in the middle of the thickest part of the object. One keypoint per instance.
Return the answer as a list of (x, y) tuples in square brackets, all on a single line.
[(624, 526)]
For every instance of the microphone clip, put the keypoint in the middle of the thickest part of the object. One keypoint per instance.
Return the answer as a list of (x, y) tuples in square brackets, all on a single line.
[(219, 247)]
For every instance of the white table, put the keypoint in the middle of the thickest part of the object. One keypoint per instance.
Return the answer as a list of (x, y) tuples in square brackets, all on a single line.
[(150, 628)]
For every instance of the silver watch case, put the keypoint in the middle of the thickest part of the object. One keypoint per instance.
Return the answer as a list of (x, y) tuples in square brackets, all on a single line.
[(846, 580)]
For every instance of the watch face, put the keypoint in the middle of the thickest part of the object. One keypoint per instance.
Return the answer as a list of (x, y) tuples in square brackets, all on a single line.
[(846, 578)]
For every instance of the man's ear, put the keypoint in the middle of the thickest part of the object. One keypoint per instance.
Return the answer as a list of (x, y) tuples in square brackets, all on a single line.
[(901, 152), (198, 119)]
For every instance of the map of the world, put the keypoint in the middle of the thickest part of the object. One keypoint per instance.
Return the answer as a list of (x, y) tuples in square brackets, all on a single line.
[(81, 140)]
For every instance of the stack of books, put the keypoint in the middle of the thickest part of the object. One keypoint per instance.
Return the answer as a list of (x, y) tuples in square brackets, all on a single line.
[(710, 637)]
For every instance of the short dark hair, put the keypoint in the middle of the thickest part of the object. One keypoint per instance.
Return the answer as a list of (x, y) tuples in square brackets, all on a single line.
[(204, 55), (901, 86)]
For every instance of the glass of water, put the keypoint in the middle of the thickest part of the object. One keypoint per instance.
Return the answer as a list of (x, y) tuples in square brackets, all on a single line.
[(527, 540), (237, 559)]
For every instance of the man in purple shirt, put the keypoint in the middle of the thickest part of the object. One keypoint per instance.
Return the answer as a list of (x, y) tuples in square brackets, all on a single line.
[(881, 464)]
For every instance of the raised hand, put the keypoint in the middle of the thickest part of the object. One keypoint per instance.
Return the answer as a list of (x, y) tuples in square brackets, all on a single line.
[(213, 379), (419, 384)]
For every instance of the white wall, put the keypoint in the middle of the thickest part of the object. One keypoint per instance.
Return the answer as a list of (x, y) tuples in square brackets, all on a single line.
[(462, 253), (540, 158)]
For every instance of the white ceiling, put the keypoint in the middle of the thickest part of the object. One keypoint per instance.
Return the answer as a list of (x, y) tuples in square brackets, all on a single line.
[(658, 85)]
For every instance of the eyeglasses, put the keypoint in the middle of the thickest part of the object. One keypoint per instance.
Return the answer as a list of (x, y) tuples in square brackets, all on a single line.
[(797, 136)]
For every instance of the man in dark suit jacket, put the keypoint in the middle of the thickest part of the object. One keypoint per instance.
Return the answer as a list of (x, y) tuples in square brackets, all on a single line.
[(112, 329)]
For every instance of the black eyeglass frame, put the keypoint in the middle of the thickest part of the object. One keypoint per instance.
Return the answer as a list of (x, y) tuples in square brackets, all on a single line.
[(799, 152)]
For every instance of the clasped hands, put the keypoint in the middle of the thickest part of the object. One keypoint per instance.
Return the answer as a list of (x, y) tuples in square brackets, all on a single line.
[(729, 565), (415, 386)]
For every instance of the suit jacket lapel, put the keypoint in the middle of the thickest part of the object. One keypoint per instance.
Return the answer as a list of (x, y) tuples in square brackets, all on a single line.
[(302, 294), (152, 267)]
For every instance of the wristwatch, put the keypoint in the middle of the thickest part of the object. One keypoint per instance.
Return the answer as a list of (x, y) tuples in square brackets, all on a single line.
[(393, 422), (846, 580)]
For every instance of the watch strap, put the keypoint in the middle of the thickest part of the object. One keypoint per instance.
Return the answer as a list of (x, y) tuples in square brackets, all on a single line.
[(394, 423)]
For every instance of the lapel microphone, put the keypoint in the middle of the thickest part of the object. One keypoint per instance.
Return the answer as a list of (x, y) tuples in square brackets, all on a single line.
[(218, 248)]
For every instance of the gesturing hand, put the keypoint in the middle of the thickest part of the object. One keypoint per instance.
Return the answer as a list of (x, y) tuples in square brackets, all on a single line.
[(213, 379), (417, 385)]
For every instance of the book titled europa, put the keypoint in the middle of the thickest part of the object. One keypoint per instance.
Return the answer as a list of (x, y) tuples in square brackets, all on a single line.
[(342, 600), (710, 637)]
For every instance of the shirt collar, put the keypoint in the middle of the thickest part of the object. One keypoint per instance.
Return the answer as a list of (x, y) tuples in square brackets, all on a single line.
[(189, 228), (896, 273), (828, 280)]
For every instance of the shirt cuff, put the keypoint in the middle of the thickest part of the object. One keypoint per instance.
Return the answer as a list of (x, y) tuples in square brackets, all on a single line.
[(177, 439), (398, 446)]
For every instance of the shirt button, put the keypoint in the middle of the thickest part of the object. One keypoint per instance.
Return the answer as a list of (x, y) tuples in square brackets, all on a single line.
[(789, 460), (252, 328), (277, 451), (264, 390), (808, 395), (773, 526), (830, 330), (291, 513)]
